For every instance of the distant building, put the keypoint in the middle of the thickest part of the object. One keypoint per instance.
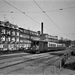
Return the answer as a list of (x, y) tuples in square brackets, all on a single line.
[(49, 38), (8, 34), (13, 37), (73, 43)]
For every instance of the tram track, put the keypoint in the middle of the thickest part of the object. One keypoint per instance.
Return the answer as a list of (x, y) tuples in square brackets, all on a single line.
[(20, 57), (23, 59), (13, 55), (43, 66), (35, 60), (20, 61)]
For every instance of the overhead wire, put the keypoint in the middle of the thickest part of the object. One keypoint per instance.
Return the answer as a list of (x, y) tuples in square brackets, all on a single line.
[(20, 11), (60, 9), (50, 18), (31, 17), (55, 24), (9, 12), (39, 11)]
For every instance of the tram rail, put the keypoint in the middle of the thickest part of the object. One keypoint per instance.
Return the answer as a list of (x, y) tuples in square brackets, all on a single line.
[(20, 60), (45, 58)]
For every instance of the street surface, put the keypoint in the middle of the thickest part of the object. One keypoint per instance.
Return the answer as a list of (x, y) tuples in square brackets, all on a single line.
[(43, 64)]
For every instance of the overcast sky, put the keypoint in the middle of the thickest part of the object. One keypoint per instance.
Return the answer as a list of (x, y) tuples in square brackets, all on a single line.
[(61, 12)]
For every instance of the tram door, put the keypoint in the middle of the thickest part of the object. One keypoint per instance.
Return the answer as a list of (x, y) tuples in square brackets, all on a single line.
[(35, 45), (42, 46)]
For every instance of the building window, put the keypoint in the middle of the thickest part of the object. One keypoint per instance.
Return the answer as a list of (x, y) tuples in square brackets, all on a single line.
[(3, 31), (17, 33), (8, 39), (8, 32), (13, 39), (17, 40), (26, 36), (13, 33), (3, 38), (21, 40), (27, 41), (21, 35)]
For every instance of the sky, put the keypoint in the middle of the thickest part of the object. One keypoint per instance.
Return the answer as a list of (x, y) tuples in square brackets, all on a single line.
[(58, 19)]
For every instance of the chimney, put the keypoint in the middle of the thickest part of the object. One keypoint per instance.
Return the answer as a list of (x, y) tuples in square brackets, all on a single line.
[(41, 28)]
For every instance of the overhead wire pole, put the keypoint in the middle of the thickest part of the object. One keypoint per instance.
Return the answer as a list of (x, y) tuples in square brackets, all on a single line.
[(20, 11), (50, 18)]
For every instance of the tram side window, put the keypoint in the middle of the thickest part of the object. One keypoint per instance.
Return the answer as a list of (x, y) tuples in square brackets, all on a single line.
[(58, 45), (53, 45), (49, 45)]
